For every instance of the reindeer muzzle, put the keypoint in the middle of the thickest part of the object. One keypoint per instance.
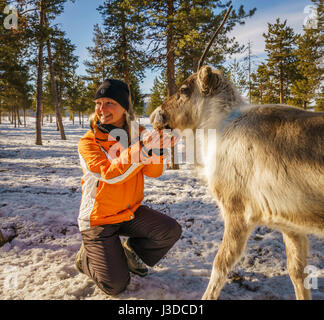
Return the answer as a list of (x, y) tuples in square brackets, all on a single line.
[(158, 119)]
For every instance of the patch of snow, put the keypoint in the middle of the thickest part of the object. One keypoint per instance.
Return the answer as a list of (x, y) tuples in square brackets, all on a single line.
[(39, 201)]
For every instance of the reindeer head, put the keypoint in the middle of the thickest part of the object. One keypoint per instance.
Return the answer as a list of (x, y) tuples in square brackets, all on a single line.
[(185, 108)]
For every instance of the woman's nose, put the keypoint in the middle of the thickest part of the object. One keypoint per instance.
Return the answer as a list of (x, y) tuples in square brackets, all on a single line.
[(105, 105), (101, 107)]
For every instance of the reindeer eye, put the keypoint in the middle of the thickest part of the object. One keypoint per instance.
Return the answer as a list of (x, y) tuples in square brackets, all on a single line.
[(184, 90)]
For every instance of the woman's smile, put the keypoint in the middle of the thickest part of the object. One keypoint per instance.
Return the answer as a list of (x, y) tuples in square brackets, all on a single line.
[(110, 111), (104, 117)]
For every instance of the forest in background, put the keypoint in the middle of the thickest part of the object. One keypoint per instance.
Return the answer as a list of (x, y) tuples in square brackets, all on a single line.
[(38, 64)]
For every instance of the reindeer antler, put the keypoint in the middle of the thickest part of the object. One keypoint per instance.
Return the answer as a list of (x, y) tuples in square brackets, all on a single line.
[(201, 61)]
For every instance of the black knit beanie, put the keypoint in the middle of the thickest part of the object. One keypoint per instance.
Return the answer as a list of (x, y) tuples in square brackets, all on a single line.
[(116, 90)]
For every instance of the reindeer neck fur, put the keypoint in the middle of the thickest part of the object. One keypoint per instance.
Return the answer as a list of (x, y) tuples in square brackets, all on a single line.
[(215, 111), (217, 107)]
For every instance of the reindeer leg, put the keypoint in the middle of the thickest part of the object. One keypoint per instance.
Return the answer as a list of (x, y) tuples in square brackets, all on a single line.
[(296, 250), (234, 241)]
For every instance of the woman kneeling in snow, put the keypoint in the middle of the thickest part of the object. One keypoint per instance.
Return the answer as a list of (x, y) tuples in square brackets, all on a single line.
[(112, 192)]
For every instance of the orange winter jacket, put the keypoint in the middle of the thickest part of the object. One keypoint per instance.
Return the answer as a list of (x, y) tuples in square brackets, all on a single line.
[(113, 179)]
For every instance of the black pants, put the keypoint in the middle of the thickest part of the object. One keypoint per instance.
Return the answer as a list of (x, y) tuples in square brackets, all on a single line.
[(152, 234)]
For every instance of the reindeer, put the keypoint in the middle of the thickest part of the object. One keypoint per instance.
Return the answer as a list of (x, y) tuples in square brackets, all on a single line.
[(265, 167)]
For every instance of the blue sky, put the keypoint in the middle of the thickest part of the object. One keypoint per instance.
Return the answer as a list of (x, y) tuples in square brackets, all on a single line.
[(79, 18)]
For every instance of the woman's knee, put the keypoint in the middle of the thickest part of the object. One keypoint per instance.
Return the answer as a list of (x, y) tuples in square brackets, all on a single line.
[(115, 286), (176, 230)]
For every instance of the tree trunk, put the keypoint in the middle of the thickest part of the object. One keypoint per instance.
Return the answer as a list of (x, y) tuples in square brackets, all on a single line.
[(18, 117), (73, 118), (19, 120), (170, 49), (17, 114), (281, 84), (51, 118), (39, 88), (43, 114), (249, 70), (171, 66), (261, 95), (126, 72), (54, 91), (14, 116), (24, 109)]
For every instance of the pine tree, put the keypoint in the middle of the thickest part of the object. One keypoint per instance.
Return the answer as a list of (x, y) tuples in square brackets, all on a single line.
[(196, 23), (319, 97), (179, 31), (309, 74), (65, 64), (15, 91), (39, 14), (73, 94), (320, 100), (279, 45), (78, 100), (40, 64), (99, 66), (171, 24), (54, 87), (158, 94), (136, 97), (47, 99), (264, 88), (124, 35), (248, 67), (272, 89), (236, 73), (124, 30)]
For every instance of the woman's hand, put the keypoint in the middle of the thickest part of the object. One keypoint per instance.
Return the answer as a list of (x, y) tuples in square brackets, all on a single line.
[(153, 139), (156, 143)]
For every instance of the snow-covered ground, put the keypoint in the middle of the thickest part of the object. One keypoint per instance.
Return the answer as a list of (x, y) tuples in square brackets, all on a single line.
[(39, 202)]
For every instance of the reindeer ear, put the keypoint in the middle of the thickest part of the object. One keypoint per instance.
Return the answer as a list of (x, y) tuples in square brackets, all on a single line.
[(207, 80)]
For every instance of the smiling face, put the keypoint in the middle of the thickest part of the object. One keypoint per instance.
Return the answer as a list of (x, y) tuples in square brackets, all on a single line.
[(110, 111)]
